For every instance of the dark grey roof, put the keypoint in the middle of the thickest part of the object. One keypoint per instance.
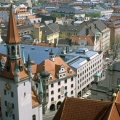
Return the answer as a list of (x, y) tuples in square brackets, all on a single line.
[(50, 29), (116, 66), (70, 10), (64, 42), (25, 27), (70, 28), (100, 25)]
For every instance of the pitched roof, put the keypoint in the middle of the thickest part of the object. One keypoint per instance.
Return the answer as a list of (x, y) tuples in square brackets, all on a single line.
[(12, 32), (53, 67), (82, 109), (10, 73), (35, 101), (88, 38)]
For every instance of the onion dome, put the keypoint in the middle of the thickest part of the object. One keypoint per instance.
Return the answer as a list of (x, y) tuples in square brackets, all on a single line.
[(44, 74)]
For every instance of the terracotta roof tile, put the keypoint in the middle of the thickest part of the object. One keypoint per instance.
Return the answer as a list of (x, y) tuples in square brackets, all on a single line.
[(88, 38), (35, 101), (114, 18), (114, 115), (82, 109), (53, 67)]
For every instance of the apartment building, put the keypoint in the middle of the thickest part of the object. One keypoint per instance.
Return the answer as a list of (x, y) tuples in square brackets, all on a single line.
[(86, 63), (60, 82)]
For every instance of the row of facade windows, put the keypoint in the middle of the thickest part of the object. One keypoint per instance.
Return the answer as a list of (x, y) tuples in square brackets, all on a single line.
[(59, 96), (59, 83), (52, 92), (5, 93), (96, 63), (7, 115)]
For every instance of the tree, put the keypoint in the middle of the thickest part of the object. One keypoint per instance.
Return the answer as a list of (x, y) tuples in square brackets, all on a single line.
[(93, 14), (55, 14)]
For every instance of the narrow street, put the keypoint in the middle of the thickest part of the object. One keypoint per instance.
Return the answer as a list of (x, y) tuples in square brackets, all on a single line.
[(49, 115)]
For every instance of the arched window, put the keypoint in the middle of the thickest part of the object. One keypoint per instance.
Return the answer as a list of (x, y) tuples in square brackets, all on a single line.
[(13, 50), (34, 117)]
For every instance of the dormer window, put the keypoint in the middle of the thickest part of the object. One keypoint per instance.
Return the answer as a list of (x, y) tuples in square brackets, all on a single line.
[(50, 77), (62, 69), (70, 70)]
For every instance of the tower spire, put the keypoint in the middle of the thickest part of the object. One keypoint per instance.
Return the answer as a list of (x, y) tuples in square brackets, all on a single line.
[(12, 32)]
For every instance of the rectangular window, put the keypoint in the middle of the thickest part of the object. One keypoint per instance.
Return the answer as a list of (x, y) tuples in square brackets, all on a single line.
[(5, 103), (52, 99), (24, 94), (4, 92), (6, 114), (65, 80), (71, 92), (13, 117), (12, 105), (72, 79), (59, 83), (12, 94), (52, 85)]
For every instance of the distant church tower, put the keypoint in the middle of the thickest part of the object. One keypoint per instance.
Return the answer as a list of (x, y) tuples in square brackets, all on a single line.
[(15, 83)]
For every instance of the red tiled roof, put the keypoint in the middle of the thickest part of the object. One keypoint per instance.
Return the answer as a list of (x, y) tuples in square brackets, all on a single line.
[(82, 109), (10, 73), (88, 38), (53, 67), (35, 101)]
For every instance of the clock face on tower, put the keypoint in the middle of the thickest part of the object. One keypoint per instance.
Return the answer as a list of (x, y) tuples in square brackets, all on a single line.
[(7, 86)]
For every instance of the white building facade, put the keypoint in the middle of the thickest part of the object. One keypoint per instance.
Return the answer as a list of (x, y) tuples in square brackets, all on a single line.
[(18, 100), (86, 63)]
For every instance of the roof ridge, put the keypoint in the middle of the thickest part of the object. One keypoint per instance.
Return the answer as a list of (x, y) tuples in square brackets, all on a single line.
[(92, 100), (111, 110)]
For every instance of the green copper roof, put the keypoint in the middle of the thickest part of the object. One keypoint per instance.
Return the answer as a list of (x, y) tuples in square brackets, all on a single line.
[(44, 74), (96, 75)]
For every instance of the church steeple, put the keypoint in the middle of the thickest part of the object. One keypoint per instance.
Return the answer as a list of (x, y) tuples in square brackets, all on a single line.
[(12, 32), (13, 40)]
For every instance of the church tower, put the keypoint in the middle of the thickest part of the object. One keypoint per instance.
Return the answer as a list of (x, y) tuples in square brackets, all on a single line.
[(15, 82)]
